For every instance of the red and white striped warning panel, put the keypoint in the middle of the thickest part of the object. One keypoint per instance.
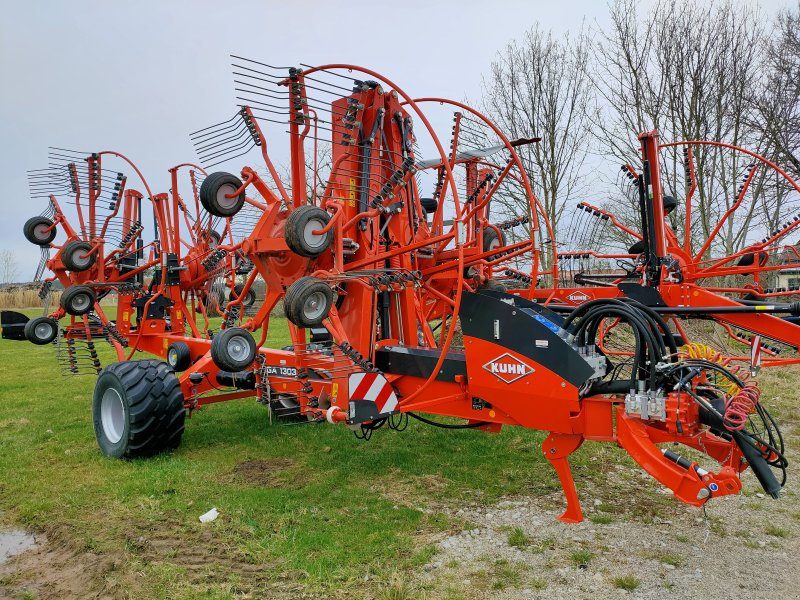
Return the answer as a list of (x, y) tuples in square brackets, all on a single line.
[(372, 387), (755, 355)]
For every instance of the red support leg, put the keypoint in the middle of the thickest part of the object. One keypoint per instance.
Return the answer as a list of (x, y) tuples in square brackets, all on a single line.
[(556, 448)]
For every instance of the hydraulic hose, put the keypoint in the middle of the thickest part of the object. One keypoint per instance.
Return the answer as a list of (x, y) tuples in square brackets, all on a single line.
[(750, 450)]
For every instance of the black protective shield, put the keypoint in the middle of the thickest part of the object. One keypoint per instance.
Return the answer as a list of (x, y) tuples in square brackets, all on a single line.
[(13, 325)]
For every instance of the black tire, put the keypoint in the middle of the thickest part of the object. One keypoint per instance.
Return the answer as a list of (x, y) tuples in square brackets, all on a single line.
[(37, 230), (138, 409), (214, 239), (341, 294), (308, 302), (41, 330), (249, 299), (637, 247), (215, 300), (78, 300), (213, 191), (179, 357), (429, 205), (233, 349), (74, 256), (244, 267), (298, 229), (491, 240)]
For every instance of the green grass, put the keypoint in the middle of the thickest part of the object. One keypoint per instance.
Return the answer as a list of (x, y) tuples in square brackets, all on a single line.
[(536, 583), (601, 519), (582, 557), (500, 575), (667, 558), (518, 539), (774, 530), (325, 519), (626, 582)]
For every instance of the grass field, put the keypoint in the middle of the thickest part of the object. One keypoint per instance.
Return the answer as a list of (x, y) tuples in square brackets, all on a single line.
[(304, 508), (301, 505)]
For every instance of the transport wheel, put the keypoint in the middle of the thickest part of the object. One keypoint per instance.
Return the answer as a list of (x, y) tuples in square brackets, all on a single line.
[(37, 230), (179, 357), (213, 191), (77, 300), (137, 409), (233, 349), (308, 302), (299, 231), (75, 256), (41, 330), (213, 239), (249, 299)]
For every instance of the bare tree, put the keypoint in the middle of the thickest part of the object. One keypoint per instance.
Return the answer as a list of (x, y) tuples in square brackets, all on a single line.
[(688, 70), (539, 87), (9, 269), (777, 102), (318, 164)]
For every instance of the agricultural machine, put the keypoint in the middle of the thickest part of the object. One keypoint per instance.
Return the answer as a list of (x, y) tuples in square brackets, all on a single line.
[(404, 304)]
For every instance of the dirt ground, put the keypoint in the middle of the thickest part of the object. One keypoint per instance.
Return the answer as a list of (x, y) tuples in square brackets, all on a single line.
[(57, 568)]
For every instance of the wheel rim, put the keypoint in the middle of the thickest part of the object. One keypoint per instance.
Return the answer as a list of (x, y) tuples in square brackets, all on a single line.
[(81, 302), (224, 190), (238, 348), (313, 240), (315, 306), (41, 232), (172, 357), (43, 331), (80, 258), (112, 415)]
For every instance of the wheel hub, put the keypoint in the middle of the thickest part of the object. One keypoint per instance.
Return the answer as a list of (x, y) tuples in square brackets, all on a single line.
[(315, 305), (80, 302), (112, 415), (312, 239), (42, 330), (80, 259), (223, 191), (237, 348)]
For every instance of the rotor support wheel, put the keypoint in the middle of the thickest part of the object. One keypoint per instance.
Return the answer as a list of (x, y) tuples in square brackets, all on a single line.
[(308, 302)]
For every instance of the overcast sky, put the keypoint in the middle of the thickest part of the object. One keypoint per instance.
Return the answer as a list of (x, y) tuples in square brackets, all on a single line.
[(138, 76)]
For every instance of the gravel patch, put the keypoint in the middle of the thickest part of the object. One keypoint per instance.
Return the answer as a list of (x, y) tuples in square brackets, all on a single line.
[(743, 546)]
